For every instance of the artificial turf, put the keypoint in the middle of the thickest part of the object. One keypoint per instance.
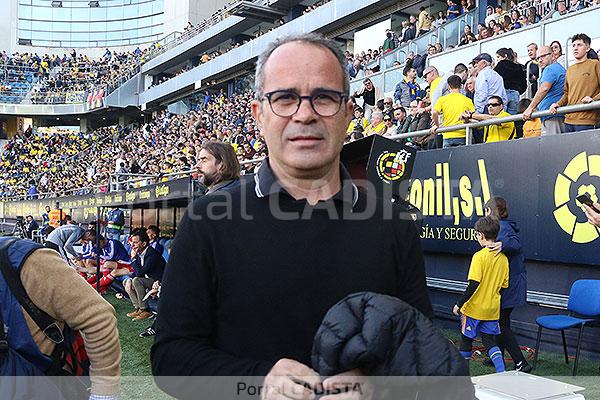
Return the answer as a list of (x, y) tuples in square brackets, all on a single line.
[(137, 380)]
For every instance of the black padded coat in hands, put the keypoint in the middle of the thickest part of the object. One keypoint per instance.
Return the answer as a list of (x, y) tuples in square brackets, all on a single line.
[(383, 336)]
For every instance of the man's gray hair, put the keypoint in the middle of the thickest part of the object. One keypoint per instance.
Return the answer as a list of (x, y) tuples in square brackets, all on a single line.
[(309, 38)]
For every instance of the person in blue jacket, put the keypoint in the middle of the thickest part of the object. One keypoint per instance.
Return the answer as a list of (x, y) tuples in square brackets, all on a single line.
[(509, 243)]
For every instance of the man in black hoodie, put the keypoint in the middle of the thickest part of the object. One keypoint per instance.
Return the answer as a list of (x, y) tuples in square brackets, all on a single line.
[(515, 81)]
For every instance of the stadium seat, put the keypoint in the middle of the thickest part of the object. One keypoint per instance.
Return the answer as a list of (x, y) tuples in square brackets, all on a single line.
[(584, 301)]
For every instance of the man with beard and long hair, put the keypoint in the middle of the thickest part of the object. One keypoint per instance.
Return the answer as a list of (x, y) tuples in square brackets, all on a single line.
[(218, 166)]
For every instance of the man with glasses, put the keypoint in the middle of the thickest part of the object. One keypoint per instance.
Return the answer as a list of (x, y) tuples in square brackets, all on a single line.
[(552, 84), (370, 95), (254, 270), (496, 132)]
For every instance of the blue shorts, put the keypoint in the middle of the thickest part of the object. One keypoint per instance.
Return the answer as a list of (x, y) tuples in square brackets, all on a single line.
[(123, 278), (471, 327)]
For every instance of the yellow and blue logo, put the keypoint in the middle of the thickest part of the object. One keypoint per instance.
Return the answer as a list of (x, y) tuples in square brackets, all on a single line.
[(576, 180)]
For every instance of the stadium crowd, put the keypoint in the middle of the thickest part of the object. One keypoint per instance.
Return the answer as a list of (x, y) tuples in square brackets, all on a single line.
[(165, 147)]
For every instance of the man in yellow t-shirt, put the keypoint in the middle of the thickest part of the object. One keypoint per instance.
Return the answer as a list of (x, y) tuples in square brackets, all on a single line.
[(479, 306), (452, 106), (377, 126), (497, 132)]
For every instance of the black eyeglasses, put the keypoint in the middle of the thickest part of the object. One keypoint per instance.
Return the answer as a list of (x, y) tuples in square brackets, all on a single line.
[(494, 104), (542, 56), (285, 103)]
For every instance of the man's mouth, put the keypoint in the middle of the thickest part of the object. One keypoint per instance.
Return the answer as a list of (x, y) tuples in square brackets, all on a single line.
[(305, 139)]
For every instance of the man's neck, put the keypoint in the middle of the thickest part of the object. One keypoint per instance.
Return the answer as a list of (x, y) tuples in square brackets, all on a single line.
[(582, 59), (314, 186)]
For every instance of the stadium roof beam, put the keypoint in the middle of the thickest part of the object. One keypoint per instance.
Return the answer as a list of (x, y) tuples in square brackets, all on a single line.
[(249, 9)]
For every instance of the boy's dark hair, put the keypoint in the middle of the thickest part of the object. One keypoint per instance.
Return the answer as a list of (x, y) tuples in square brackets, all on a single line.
[(583, 37), (488, 227), (496, 98), (90, 235), (454, 82)]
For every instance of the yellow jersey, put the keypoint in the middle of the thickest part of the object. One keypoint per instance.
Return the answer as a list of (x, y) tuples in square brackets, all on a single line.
[(498, 133), (491, 271), (452, 106)]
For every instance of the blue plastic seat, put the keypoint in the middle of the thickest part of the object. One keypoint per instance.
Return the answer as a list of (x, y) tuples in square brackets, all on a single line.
[(584, 308)]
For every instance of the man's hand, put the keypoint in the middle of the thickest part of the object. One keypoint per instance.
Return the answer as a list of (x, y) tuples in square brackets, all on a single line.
[(433, 129), (587, 100), (592, 216), (288, 380), (553, 108), (497, 247), (527, 114), (456, 310), (348, 385)]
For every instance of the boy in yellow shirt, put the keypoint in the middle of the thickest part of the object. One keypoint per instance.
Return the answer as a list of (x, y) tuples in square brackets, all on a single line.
[(479, 307)]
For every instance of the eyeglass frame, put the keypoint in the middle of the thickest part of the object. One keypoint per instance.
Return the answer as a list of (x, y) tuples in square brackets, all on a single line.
[(494, 104), (268, 96), (543, 55)]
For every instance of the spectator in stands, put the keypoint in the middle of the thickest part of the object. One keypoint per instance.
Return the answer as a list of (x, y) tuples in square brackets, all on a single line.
[(497, 132), (454, 10), (411, 31), (557, 53), (561, 10), (218, 166), (388, 107), (576, 5), (439, 21), (551, 90), (442, 88), (490, 15), (582, 86), (407, 89), (400, 120), (419, 119), (153, 233), (424, 22), (390, 128), (370, 95), (489, 82), (377, 125), (358, 120), (532, 66), (498, 30), (452, 106), (513, 75), (388, 43), (513, 20), (148, 265), (432, 76), (532, 126), (46, 217), (467, 37), (532, 16)]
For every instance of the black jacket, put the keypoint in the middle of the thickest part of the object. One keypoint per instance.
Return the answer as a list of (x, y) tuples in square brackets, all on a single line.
[(384, 336), (154, 264), (513, 75)]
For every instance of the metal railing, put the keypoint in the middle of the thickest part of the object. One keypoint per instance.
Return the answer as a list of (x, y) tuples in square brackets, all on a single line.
[(497, 121)]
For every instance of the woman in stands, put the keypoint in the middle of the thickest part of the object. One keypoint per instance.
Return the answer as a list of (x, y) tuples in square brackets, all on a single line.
[(509, 243), (513, 74), (557, 53), (467, 37)]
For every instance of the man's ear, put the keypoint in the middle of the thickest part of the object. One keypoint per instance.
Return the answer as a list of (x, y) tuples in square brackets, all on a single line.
[(257, 113)]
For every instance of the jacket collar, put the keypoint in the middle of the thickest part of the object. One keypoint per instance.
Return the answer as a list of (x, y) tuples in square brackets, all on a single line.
[(266, 184)]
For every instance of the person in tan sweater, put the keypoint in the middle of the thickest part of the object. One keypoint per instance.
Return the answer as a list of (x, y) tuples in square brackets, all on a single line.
[(58, 290), (582, 85)]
